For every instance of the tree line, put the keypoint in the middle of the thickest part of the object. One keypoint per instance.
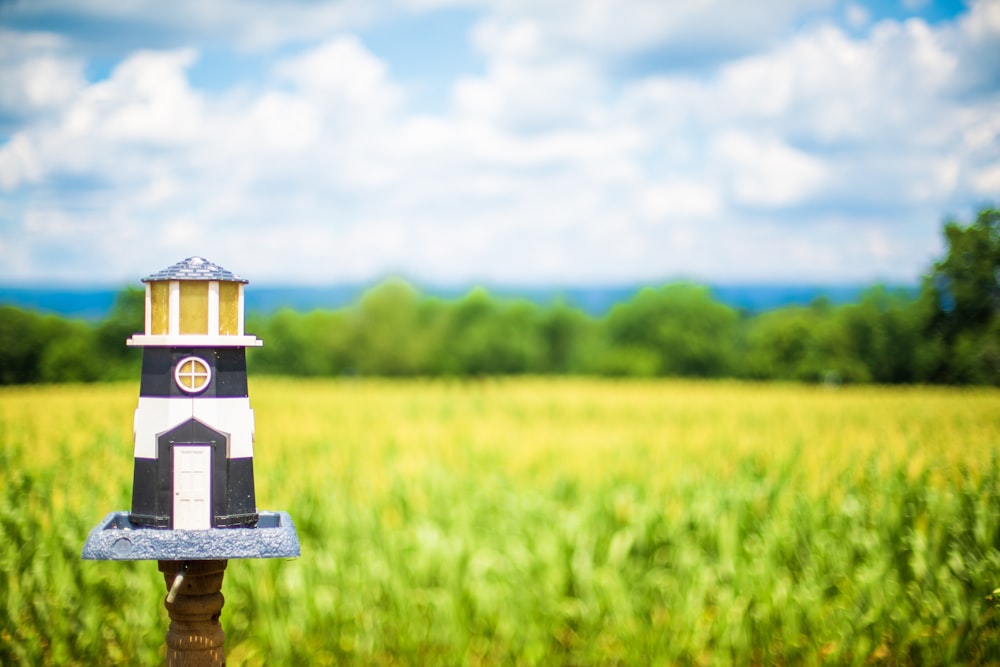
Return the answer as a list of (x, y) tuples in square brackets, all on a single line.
[(949, 333)]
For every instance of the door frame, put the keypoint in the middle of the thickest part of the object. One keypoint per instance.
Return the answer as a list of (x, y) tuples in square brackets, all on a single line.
[(193, 432)]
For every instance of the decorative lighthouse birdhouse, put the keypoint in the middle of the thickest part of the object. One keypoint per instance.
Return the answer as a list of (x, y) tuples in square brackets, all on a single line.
[(193, 493), (194, 424), (193, 500)]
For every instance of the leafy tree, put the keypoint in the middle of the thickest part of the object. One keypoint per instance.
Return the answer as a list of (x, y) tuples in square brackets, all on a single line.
[(964, 289), (673, 330), (818, 343), (387, 331), (483, 336), (36, 348), (950, 334), (883, 332), (968, 279), (127, 316), (21, 345), (310, 344), (569, 340), (71, 355)]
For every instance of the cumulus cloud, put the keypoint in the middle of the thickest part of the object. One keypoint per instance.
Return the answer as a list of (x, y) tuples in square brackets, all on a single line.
[(147, 101), (255, 25), (340, 71), (611, 28), (818, 152), (765, 171), (38, 75)]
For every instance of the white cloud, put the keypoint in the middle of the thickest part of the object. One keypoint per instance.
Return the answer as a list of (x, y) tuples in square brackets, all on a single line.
[(679, 200), (549, 165), (19, 163), (256, 25), (986, 181), (146, 100), (826, 87), (341, 71), (38, 76), (766, 171), (531, 96), (107, 127), (857, 16), (618, 28)]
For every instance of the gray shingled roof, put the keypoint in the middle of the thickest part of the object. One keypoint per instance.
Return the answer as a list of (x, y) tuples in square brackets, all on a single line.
[(194, 268)]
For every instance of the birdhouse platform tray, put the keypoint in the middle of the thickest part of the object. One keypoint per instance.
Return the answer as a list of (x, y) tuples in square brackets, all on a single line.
[(115, 538)]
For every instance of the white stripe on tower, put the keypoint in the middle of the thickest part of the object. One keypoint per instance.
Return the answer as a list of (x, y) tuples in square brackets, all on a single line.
[(174, 309), (149, 308), (239, 310), (213, 308)]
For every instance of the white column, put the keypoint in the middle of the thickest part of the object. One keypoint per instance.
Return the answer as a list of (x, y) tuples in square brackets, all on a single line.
[(174, 309), (149, 309), (213, 308), (239, 311)]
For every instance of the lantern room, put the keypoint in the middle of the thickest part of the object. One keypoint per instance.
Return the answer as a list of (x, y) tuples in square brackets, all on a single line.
[(194, 302)]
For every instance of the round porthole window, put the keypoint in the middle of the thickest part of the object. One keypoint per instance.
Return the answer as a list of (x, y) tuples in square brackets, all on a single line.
[(192, 374)]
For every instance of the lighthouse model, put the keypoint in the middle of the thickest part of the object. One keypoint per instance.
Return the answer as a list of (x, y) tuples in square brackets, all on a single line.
[(193, 491), (193, 500), (194, 425)]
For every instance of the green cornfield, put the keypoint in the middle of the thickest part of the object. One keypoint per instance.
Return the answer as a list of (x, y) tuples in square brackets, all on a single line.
[(538, 522)]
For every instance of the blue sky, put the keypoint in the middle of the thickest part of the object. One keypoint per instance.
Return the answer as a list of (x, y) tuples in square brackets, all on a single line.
[(498, 141)]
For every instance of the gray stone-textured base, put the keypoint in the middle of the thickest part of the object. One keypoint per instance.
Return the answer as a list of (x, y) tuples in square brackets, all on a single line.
[(115, 538)]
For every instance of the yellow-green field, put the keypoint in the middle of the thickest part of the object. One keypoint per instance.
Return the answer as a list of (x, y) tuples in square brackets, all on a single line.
[(538, 522)]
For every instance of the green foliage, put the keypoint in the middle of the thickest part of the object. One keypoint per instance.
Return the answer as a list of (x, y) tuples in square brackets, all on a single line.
[(883, 333), (570, 340), (387, 327), (127, 317), (56, 609), (438, 560), (455, 570), (677, 330), (968, 284), (72, 356), (965, 290), (311, 344), (21, 346), (950, 334), (786, 345), (485, 337), (37, 348)]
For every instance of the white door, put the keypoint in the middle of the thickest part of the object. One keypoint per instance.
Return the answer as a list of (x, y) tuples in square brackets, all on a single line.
[(192, 487)]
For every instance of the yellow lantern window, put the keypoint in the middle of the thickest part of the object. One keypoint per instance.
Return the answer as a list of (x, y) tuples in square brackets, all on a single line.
[(159, 305), (194, 307), (229, 309)]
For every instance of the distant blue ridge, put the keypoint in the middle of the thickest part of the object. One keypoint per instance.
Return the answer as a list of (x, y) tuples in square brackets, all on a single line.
[(88, 304), (95, 303)]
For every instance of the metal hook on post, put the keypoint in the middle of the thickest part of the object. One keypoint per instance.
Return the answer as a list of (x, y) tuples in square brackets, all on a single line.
[(176, 586)]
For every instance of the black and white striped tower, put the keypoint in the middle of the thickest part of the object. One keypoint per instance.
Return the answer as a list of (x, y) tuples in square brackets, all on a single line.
[(194, 425), (193, 495)]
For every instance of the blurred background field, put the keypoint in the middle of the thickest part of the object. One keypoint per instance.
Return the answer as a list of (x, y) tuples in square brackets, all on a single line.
[(538, 521), (510, 391)]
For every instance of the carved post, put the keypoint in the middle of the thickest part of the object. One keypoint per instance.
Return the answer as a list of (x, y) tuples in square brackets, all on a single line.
[(194, 603)]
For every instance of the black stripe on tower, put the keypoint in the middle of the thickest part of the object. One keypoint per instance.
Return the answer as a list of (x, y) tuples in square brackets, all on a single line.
[(228, 364), (234, 502)]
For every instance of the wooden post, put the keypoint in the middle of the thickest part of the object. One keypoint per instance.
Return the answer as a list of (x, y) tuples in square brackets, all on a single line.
[(195, 637)]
